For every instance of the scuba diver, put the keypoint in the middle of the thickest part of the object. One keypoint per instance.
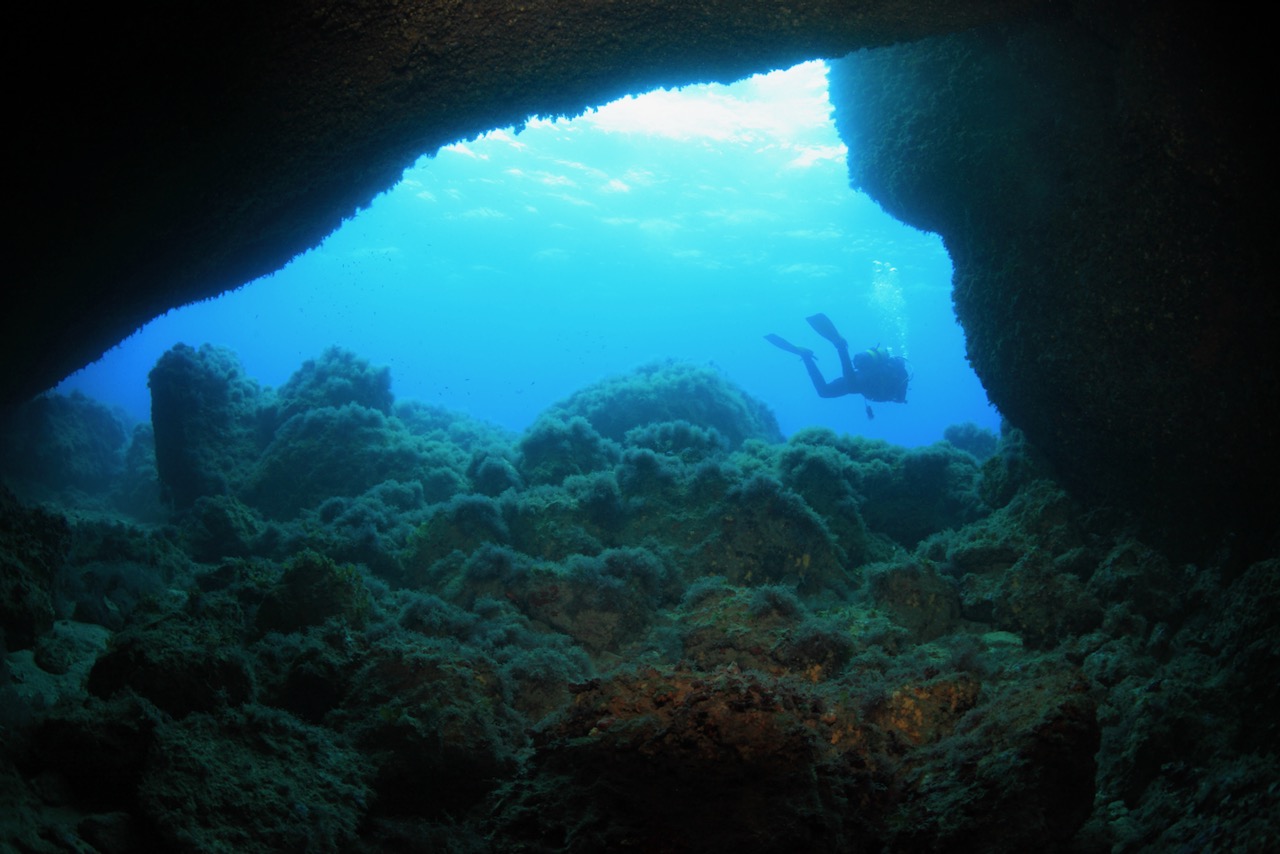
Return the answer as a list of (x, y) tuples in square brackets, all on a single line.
[(875, 374)]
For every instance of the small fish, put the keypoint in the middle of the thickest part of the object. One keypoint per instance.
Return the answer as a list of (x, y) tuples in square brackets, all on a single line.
[(870, 414)]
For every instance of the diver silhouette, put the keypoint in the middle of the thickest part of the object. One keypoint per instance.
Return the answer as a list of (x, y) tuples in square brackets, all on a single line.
[(875, 374)]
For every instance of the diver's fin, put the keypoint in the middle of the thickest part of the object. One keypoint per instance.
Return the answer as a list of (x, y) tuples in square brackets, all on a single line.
[(823, 326), (782, 343)]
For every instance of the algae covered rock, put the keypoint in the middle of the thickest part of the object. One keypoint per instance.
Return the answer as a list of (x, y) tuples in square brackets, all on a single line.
[(493, 473), (370, 529), (909, 494), (768, 535), (1026, 567), (603, 602), (252, 779), (33, 545), (219, 526), (692, 443), (813, 464), (979, 441), (553, 449), (582, 517), (672, 391), (720, 761), (431, 723), (781, 762), (876, 494), (767, 629), (204, 410), (338, 377), (461, 525), (627, 623), (345, 451), (99, 749), (181, 665), (311, 590), (63, 442), (918, 598), (1027, 749), (113, 569)]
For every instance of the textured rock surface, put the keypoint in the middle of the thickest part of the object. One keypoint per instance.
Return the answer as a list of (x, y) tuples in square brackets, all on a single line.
[(676, 647), (1108, 243)]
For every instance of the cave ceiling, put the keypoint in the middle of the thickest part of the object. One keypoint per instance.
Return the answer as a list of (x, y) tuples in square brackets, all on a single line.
[(167, 158)]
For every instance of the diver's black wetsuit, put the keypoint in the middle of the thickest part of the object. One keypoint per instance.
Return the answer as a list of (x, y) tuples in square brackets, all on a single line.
[(874, 373), (846, 383)]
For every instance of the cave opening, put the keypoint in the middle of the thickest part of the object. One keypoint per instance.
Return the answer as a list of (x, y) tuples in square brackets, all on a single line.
[(503, 273)]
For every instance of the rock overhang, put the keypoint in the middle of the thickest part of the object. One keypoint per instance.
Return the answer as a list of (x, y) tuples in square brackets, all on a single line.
[(213, 145)]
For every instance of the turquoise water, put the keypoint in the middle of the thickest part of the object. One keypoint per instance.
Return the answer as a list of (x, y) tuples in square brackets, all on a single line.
[(506, 272)]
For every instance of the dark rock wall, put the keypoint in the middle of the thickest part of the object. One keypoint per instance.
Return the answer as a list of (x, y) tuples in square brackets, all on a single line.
[(1095, 181)]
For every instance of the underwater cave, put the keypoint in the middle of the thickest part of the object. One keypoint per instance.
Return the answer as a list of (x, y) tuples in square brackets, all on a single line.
[(316, 615)]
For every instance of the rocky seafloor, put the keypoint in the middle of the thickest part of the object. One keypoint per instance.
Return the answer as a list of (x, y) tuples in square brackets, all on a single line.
[(313, 618)]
